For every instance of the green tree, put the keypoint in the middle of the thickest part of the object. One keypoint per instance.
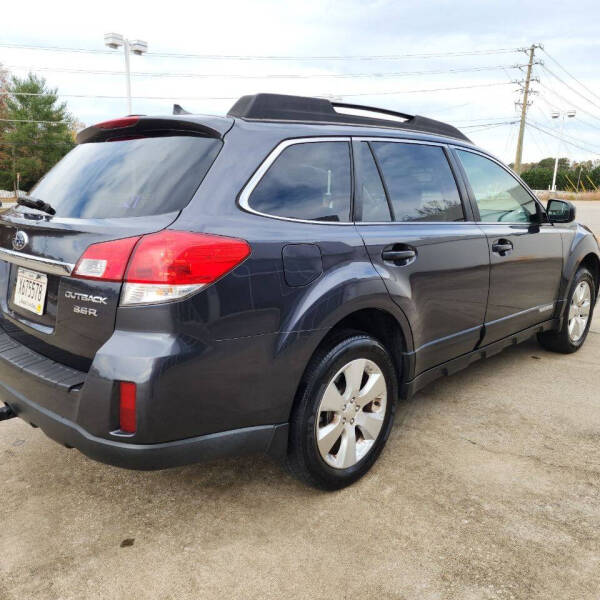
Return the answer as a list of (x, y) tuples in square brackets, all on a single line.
[(4, 153), (595, 176), (3, 91), (36, 134), (563, 164), (548, 163), (538, 178)]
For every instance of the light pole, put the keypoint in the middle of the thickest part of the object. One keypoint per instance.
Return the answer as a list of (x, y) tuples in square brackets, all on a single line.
[(116, 40), (555, 115)]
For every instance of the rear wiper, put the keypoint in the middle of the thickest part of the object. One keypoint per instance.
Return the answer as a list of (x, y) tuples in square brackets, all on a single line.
[(36, 203)]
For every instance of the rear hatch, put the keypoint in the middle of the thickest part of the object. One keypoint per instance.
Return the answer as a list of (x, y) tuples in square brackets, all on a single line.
[(126, 178)]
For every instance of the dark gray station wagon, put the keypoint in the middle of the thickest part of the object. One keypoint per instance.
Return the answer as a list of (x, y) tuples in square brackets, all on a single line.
[(183, 287)]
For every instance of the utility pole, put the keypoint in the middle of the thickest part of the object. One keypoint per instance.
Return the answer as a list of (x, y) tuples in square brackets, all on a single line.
[(524, 106)]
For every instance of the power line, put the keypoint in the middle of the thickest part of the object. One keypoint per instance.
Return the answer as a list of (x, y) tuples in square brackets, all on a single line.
[(570, 103), (266, 75), (273, 57), (533, 133), (324, 95), (512, 132), (490, 125), (543, 130), (494, 126), (507, 117), (563, 134), (571, 75), (569, 86), (543, 98), (541, 113)]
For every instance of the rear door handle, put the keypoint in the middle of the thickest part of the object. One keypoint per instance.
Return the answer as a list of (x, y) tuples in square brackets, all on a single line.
[(502, 247), (398, 256)]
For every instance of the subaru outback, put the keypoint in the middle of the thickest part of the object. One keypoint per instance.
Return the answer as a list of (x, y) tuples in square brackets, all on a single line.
[(180, 288)]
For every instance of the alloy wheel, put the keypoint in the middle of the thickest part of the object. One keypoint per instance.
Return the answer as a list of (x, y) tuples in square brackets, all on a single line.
[(351, 413), (579, 311)]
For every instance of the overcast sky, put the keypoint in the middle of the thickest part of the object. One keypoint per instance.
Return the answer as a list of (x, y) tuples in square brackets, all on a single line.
[(569, 32)]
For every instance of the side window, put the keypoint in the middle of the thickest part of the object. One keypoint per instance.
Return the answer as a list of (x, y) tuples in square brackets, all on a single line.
[(419, 182), (499, 196), (307, 181), (370, 194)]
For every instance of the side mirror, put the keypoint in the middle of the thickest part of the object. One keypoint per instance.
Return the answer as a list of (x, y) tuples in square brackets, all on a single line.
[(560, 211)]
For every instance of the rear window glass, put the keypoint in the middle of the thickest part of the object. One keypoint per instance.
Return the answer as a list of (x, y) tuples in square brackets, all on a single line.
[(308, 181), (419, 182), (127, 178)]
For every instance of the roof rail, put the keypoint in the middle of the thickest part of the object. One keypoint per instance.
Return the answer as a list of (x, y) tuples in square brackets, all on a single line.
[(280, 107)]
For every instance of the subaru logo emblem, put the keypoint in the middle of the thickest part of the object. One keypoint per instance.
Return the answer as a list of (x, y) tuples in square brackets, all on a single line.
[(20, 240)]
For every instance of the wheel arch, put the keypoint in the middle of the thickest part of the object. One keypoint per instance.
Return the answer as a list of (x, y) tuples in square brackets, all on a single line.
[(377, 322), (381, 325), (592, 263)]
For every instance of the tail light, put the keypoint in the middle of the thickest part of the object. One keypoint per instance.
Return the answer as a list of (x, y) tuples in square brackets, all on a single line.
[(127, 412), (106, 261), (162, 266), (118, 123)]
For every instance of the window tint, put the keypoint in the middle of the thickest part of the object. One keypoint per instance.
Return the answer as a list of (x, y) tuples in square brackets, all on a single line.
[(370, 193), (307, 181), (499, 196), (128, 178), (419, 182)]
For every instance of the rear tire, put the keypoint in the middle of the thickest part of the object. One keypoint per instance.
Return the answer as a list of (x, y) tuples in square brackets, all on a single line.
[(343, 413), (579, 312)]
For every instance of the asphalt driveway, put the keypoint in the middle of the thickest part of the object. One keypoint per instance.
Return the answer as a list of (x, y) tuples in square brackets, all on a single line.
[(489, 488)]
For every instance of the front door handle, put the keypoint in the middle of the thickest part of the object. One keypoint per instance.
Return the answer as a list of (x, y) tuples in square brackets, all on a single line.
[(398, 256), (502, 247)]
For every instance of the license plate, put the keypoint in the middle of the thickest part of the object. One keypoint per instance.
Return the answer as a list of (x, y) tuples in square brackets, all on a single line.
[(30, 290)]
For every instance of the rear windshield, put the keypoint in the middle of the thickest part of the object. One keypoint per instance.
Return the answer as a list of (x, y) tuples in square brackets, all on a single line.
[(127, 178)]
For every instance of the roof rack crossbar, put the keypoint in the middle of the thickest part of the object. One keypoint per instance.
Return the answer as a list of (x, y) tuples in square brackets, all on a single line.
[(280, 107)]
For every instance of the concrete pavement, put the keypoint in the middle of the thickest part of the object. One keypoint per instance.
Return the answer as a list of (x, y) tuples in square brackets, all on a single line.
[(489, 488)]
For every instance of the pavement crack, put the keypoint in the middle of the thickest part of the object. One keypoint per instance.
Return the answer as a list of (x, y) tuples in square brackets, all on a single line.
[(485, 448), (532, 457)]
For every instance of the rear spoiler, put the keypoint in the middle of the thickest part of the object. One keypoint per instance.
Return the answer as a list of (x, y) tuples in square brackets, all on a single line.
[(135, 125)]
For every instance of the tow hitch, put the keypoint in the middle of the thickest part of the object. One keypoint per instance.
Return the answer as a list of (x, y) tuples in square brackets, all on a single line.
[(6, 413)]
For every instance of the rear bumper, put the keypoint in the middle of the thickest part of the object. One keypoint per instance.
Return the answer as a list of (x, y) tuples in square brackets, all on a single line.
[(249, 440), (27, 379)]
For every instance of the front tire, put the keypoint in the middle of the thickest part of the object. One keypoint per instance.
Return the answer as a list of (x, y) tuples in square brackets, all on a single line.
[(344, 412), (576, 324)]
